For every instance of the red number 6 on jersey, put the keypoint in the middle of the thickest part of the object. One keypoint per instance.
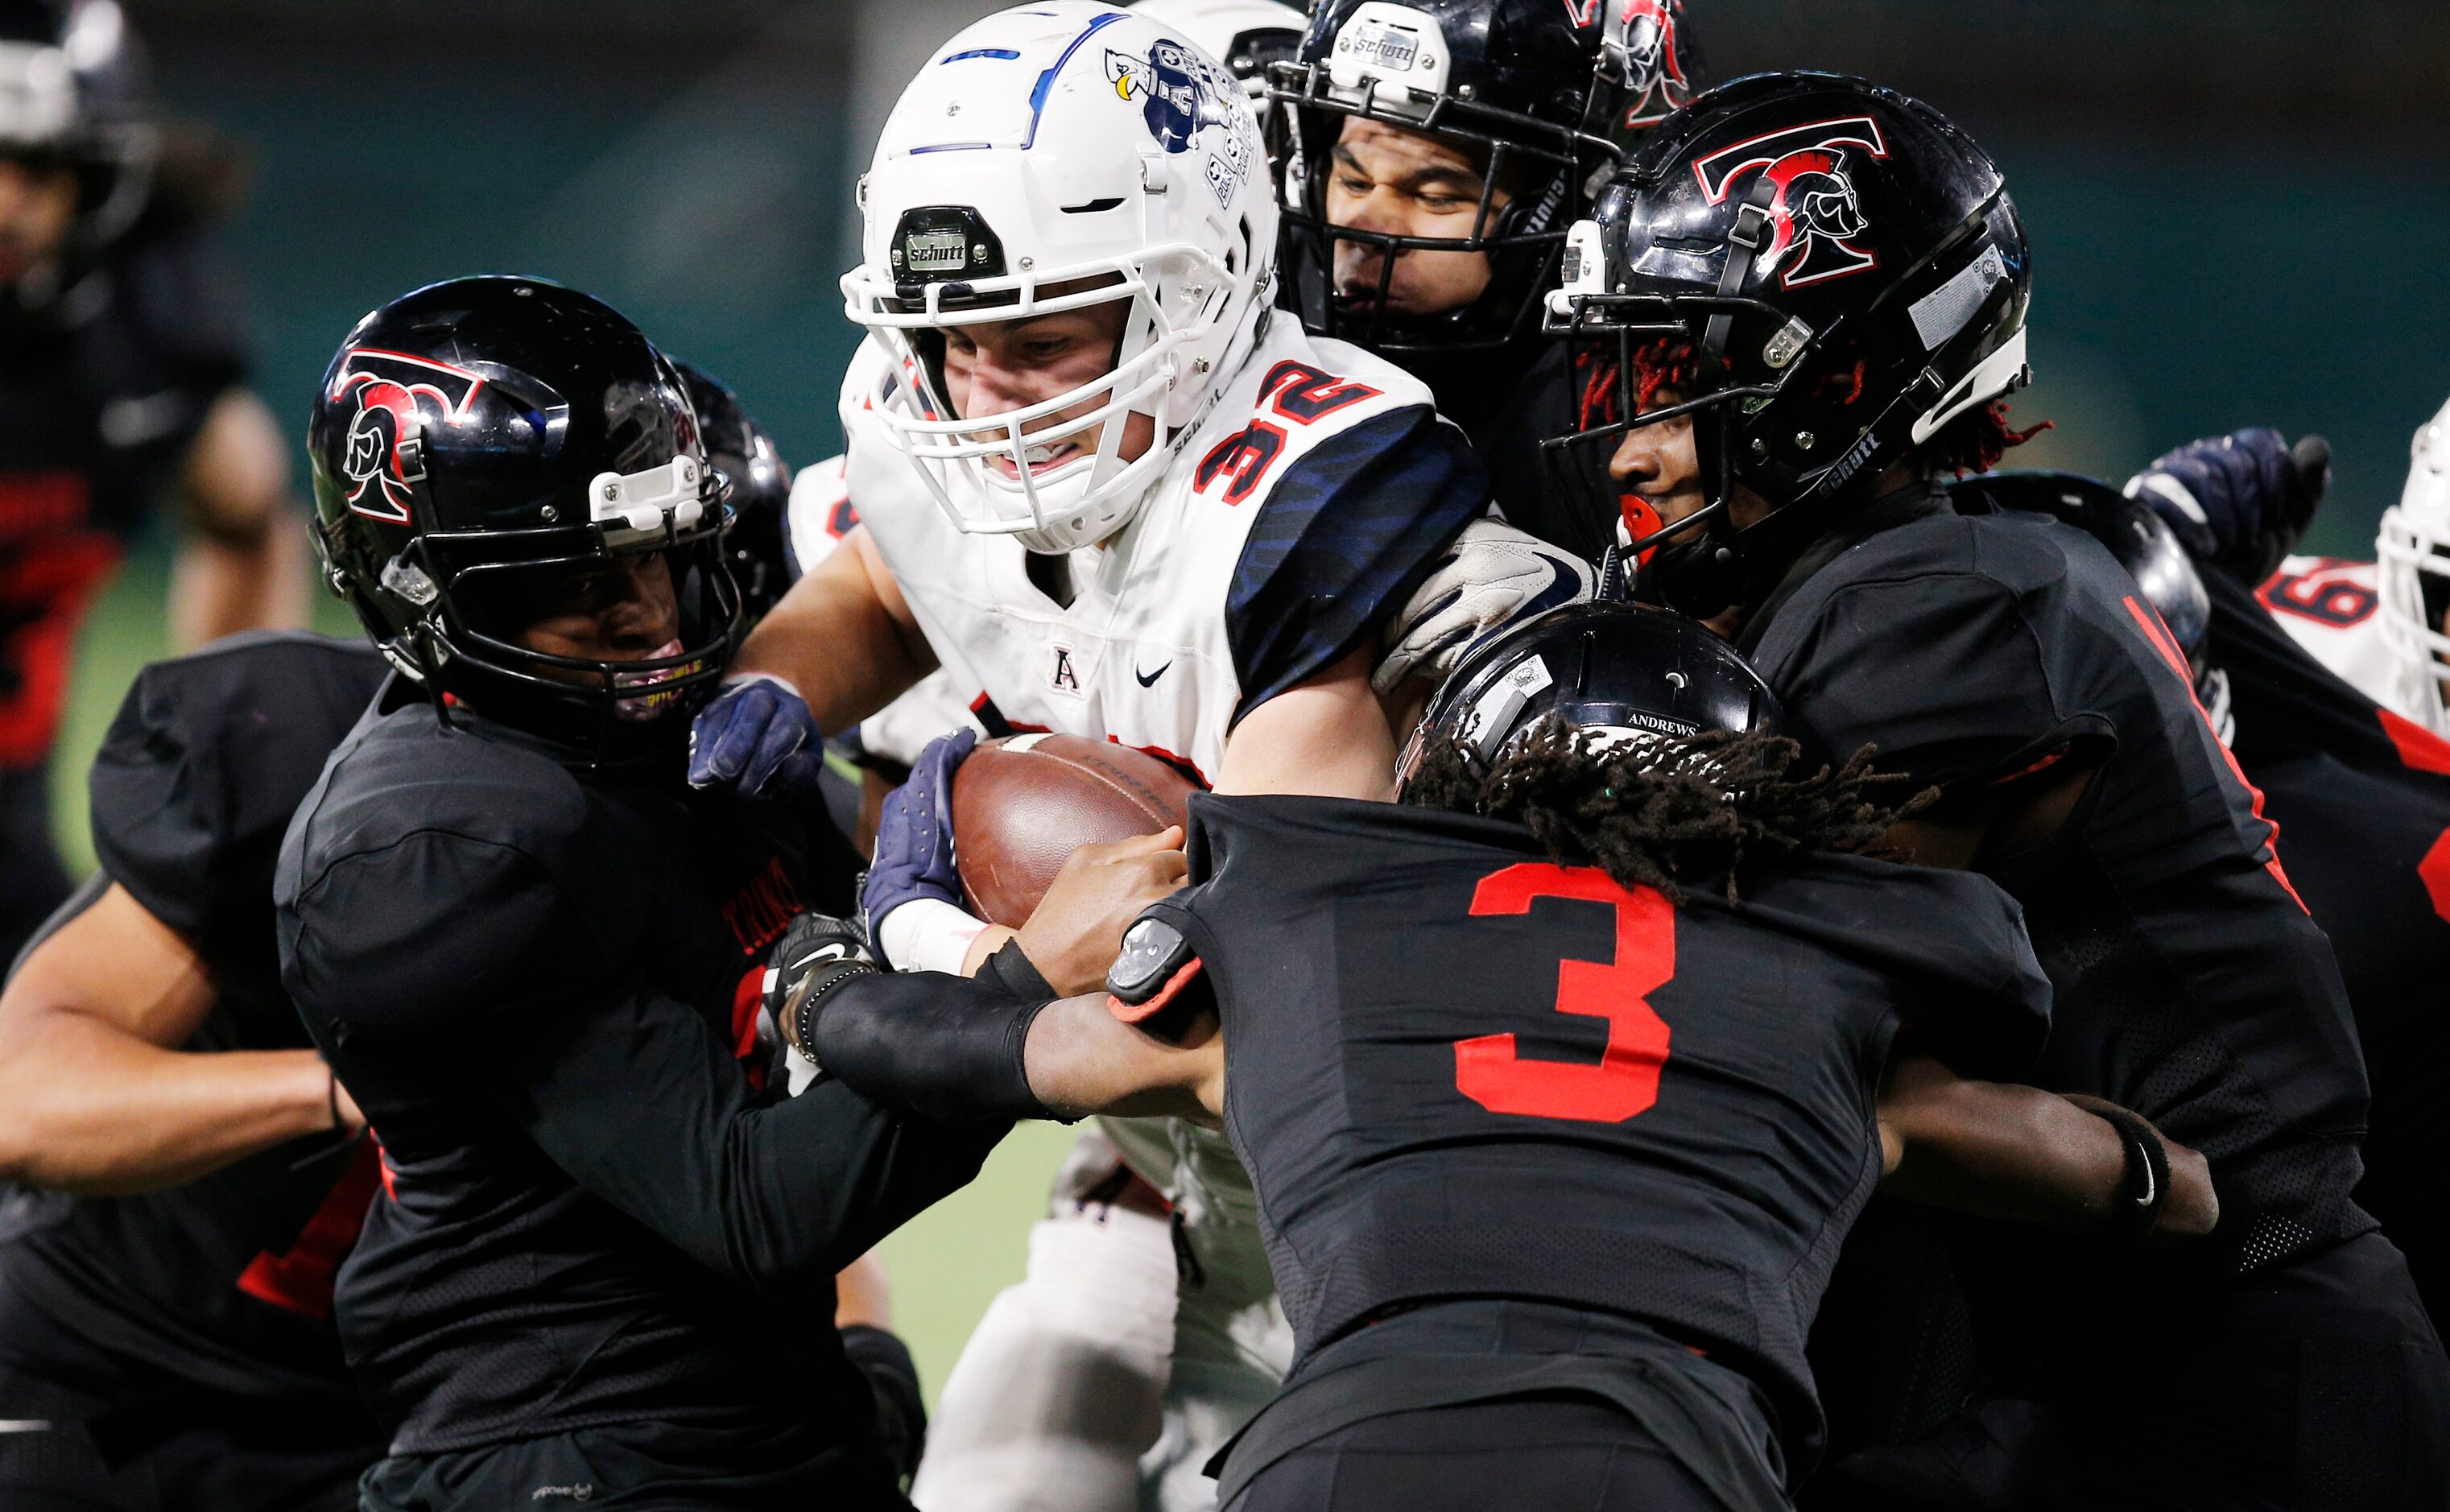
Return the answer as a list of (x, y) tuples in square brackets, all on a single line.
[(1626, 1082)]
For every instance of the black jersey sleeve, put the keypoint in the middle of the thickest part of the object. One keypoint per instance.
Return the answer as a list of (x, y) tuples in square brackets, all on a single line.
[(1342, 540), (469, 948), (1936, 660), (643, 1106), (204, 763)]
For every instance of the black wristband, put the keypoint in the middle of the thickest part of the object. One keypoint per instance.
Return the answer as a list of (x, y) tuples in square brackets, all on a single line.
[(2147, 1185), (1011, 970), (950, 1047)]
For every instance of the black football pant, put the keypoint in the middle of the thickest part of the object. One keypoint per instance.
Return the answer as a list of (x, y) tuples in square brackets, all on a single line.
[(33, 882), (1537, 1454), (645, 1467), (65, 1447)]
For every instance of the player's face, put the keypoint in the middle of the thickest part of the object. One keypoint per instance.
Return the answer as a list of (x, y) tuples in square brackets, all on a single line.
[(37, 207), (1007, 365), (1403, 183), (622, 608), (1660, 463)]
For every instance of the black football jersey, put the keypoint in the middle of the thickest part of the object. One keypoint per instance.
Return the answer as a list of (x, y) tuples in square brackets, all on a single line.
[(1458, 1070), (226, 1281), (2362, 798), (2190, 984), (102, 393), (543, 985)]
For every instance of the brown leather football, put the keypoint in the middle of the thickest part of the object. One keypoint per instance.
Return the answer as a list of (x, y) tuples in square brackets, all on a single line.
[(1022, 804)]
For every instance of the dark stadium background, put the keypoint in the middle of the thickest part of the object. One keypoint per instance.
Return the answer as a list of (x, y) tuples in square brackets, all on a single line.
[(2238, 210)]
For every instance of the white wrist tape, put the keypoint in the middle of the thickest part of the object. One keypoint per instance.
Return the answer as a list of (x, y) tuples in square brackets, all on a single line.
[(928, 934)]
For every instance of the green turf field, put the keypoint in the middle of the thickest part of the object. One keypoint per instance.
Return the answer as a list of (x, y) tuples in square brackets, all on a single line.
[(946, 1266)]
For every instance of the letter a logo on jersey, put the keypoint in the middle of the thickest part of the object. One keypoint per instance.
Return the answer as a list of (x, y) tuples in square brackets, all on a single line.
[(1060, 673), (1815, 210), (386, 450)]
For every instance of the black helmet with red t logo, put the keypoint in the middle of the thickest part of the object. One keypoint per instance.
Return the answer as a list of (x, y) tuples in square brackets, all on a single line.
[(1822, 274), (473, 441)]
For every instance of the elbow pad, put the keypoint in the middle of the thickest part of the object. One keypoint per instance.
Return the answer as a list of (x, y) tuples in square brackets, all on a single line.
[(948, 1047)]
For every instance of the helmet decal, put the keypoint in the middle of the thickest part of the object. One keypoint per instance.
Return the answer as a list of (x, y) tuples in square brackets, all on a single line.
[(1641, 40), (1180, 96), (1815, 210), (386, 450)]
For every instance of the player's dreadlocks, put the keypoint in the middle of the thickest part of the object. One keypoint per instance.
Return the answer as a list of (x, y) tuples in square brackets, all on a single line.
[(1663, 814)]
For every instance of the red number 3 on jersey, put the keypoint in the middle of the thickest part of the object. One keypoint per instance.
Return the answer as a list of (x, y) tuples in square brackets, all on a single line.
[(1626, 1082)]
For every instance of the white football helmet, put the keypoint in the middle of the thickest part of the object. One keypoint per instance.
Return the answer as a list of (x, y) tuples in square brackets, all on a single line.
[(2414, 554), (1245, 36), (1083, 149)]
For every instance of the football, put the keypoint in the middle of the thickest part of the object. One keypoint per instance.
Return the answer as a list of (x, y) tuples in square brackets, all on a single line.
[(1023, 804)]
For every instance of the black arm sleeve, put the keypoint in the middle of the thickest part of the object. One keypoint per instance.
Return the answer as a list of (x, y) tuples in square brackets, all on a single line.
[(627, 1088), (641, 1103), (950, 1047)]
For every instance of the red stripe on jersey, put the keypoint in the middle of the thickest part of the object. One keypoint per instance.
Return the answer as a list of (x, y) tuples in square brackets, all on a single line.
[(2159, 635), (2419, 750), (2042, 764), (748, 1002), (2434, 871), (45, 585), (301, 1281), (1182, 764)]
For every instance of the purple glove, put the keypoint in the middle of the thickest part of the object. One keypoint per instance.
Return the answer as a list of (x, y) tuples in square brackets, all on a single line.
[(914, 835), (757, 733), (2238, 502)]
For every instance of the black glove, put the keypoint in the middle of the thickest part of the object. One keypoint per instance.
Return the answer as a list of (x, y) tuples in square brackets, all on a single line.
[(814, 953), (2239, 502)]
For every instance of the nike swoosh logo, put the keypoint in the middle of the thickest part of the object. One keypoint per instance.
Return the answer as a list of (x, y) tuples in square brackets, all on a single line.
[(1149, 679)]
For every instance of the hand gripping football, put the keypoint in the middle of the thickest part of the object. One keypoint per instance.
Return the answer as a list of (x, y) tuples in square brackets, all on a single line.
[(1023, 804)]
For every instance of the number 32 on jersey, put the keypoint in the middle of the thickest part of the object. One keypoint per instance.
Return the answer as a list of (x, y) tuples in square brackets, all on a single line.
[(1625, 1081), (1291, 391)]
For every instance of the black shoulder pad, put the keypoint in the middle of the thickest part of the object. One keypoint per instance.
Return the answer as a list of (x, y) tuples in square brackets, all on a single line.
[(205, 761)]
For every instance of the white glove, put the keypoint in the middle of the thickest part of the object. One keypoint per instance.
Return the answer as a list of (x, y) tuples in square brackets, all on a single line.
[(1493, 575)]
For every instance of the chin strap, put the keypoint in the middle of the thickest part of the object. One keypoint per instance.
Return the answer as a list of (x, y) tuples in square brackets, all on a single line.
[(1743, 246)]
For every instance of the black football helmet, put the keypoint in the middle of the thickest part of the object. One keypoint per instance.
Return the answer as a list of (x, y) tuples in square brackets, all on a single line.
[(758, 491), (1628, 670), (1841, 273), (74, 95), (473, 435), (1548, 93)]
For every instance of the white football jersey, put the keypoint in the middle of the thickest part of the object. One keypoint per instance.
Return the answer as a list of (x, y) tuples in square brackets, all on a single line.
[(1303, 508), (820, 516), (2332, 609), (1315, 495)]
